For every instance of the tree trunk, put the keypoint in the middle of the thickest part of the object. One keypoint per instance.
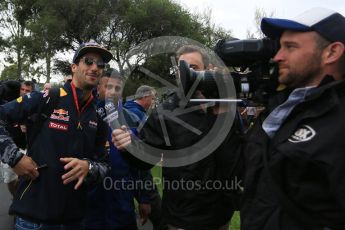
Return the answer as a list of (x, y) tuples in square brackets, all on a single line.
[(48, 65), (48, 61), (19, 51)]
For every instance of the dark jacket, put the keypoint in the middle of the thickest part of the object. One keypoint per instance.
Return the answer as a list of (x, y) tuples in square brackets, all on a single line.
[(199, 207), (136, 109), (111, 204), (9, 90), (138, 113), (296, 179), (46, 199)]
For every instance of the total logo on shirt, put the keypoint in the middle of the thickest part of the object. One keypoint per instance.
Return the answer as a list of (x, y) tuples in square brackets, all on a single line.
[(58, 126), (302, 134)]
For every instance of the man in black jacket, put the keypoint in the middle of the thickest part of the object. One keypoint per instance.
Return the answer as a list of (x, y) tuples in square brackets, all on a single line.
[(295, 151), (67, 151), (190, 202)]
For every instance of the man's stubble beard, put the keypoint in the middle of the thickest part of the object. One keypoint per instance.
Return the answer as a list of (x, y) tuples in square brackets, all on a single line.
[(305, 77)]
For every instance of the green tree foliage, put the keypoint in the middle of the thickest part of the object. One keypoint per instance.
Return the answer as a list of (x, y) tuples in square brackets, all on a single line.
[(62, 67), (153, 18), (42, 28), (258, 15), (14, 15), (158, 65), (135, 21), (2, 42), (81, 20), (9, 72), (60, 23), (210, 31)]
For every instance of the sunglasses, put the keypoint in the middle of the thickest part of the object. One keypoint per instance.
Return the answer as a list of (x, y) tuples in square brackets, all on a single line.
[(89, 62)]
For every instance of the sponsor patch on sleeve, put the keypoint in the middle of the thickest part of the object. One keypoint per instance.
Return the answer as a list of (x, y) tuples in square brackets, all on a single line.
[(302, 134), (20, 99)]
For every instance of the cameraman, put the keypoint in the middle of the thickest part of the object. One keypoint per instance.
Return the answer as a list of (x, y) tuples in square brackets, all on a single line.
[(18, 134), (191, 209), (10, 90), (295, 151)]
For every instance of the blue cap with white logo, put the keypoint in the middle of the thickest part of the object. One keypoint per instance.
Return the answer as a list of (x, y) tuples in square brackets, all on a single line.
[(328, 23)]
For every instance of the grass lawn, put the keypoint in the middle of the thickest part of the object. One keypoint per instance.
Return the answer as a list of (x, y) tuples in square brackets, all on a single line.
[(235, 221)]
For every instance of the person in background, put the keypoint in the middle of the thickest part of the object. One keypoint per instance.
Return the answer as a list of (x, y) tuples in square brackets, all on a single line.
[(250, 112), (111, 204), (17, 132), (67, 78), (47, 86), (145, 97), (26, 87)]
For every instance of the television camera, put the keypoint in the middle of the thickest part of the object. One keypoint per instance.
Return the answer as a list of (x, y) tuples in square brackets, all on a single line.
[(9, 90), (254, 75)]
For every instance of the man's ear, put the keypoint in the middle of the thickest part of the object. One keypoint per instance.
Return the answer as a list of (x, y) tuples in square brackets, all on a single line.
[(74, 67), (333, 52), (210, 67)]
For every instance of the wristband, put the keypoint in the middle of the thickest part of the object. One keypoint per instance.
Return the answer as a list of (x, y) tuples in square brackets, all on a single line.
[(18, 156)]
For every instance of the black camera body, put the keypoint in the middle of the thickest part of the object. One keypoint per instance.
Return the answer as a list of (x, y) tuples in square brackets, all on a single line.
[(254, 75), (9, 90), (244, 53)]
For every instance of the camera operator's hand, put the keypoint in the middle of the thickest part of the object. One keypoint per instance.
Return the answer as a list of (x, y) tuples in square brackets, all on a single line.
[(26, 167), (121, 137), (144, 211)]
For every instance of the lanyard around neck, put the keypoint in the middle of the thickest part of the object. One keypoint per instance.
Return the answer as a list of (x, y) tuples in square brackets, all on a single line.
[(75, 98)]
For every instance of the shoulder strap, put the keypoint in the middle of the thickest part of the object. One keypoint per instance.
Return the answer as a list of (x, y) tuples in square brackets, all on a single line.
[(44, 110)]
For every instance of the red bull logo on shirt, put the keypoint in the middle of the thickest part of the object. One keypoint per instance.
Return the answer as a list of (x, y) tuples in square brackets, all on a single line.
[(60, 114)]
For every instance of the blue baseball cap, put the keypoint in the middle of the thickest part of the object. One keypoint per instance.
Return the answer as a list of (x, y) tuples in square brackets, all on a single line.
[(92, 47), (328, 23)]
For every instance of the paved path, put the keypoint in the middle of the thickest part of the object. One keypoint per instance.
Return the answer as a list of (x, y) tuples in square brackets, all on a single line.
[(6, 221)]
